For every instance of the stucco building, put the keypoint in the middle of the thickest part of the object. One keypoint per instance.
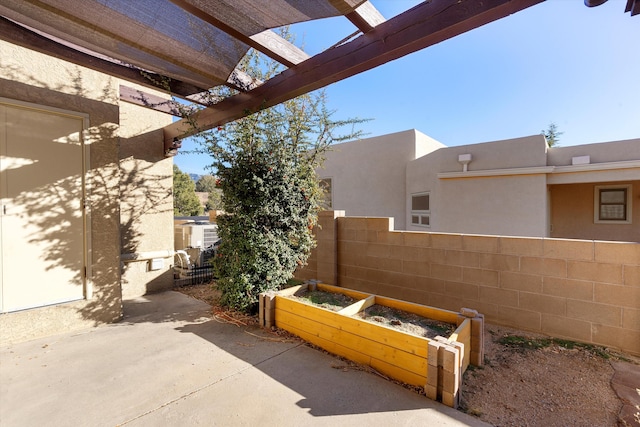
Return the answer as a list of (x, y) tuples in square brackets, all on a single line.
[(87, 207), (515, 187)]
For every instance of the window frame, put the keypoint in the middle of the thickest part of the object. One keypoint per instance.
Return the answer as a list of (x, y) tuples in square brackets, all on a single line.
[(421, 213), (628, 188)]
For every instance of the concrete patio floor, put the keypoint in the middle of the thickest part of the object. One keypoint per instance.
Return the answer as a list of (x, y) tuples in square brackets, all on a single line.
[(168, 363)]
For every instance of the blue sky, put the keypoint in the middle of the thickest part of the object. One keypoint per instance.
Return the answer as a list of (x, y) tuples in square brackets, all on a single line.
[(558, 61)]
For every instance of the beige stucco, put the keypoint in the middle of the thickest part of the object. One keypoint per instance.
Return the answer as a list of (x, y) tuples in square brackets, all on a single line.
[(509, 187), (124, 172), (572, 208), (146, 201), (509, 204), (368, 175)]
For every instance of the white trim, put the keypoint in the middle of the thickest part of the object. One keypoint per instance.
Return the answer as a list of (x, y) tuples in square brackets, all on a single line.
[(535, 170), (539, 170), (596, 203), (627, 164)]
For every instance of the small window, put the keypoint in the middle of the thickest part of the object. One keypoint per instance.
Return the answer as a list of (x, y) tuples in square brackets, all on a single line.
[(420, 210), (325, 187), (612, 204)]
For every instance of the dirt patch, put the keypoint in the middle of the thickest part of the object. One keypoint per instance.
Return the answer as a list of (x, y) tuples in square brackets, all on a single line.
[(330, 300), (527, 379), (530, 380), (406, 322)]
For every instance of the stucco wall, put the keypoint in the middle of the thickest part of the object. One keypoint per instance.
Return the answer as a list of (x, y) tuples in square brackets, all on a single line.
[(368, 175), (146, 208), (614, 151), (501, 205), (572, 207), (32, 77)]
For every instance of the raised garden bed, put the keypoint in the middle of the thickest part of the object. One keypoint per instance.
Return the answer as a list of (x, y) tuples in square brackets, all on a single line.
[(412, 343)]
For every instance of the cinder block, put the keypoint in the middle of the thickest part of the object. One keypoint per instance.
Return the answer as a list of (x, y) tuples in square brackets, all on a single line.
[(435, 256), (379, 224), (468, 312), (480, 243), (617, 252), (417, 239), (631, 275), (446, 272), (450, 400), (503, 297), (477, 341), (433, 353), (544, 266), (624, 339), (462, 290), (450, 359), (597, 272), (560, 326), (480, 276), (432, 376), (631, 319), (431, 392), (416, 268), (450, 382), (446, 241), (567, 288), (461, 258), (521, 282), (518, 318), (624, 296), (593, 312), (394, 238), (523, 246), (499, 262), (446, 301), (569, 249), (476, 358), (543, 303)]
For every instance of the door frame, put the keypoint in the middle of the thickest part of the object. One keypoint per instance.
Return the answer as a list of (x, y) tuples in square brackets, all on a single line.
[(86, 140)]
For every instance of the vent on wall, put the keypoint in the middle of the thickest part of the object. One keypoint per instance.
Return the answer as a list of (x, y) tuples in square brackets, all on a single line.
[(581, 160)]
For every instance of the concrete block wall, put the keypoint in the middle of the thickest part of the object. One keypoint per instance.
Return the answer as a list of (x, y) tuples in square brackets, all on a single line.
[(587, 291)]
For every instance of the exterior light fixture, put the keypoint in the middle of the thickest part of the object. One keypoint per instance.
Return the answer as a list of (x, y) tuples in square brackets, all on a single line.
[(464, 160)]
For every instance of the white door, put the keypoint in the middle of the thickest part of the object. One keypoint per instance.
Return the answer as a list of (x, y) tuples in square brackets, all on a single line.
[(42, 238)]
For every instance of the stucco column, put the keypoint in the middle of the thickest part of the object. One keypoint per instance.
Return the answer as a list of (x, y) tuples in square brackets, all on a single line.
[(327, 249)]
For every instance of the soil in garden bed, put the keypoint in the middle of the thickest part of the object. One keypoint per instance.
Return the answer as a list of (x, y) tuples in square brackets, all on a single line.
[(329, 300), (407, 322)]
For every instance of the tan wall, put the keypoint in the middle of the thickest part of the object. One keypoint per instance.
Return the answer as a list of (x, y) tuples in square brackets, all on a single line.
[(572, 207), (581, 290), (32, 77), (500, 205), (614, 151), (368, 175), (146, 208)]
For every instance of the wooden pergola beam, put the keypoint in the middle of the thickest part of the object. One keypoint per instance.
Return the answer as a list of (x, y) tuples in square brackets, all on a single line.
[(424, 25), (366, 17), (266, 42)]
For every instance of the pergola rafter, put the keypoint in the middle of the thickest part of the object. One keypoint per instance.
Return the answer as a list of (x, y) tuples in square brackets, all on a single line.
[(425, 25)]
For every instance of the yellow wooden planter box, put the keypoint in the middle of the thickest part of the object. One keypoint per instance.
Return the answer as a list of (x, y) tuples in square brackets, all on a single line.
[(396, 354)]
